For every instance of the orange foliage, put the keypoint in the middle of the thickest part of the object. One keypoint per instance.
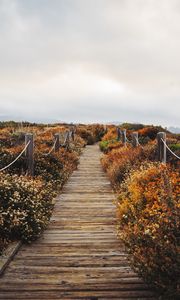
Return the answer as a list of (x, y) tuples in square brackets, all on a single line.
[(148, 214)]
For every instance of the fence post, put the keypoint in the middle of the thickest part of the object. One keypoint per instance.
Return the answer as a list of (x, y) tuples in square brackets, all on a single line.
[(57, 144), (123, 132), (118, 133), (30, 153), (161, 147), (135, 142), (70, 135), (67, 139), (73, 134), (105, 128)]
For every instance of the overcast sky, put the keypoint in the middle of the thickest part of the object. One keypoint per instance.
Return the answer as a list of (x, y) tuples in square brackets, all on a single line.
[(90, 60)]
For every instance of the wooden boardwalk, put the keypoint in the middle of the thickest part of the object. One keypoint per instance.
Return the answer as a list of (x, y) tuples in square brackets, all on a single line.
[(79, 256)]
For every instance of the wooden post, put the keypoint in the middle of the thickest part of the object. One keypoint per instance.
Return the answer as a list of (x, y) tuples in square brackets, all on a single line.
[(105, 129), (161, 147), (30, 153), (57, 144), (118, 134), (135, 142), (72, 134), (61, 137), (67, 139), (124, 136)]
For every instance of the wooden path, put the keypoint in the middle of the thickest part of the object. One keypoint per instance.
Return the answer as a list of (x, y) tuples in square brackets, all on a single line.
[(79, 256)]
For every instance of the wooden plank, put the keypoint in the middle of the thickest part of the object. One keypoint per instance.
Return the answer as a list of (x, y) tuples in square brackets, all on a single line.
[(8, 255)]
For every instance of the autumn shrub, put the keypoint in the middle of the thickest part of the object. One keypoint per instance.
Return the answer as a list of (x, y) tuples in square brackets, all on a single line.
[(118, 162), (7, 155), (49, 168), (110, 135), (86, 135), (106, 146), (10, 138), (77, 145), (149, 132), (148, 216), (98, 131), (25, 207), (132, 126), (110, 140), (90, 133)]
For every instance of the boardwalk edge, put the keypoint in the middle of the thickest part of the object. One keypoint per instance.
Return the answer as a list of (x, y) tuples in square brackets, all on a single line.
[(8, 255)]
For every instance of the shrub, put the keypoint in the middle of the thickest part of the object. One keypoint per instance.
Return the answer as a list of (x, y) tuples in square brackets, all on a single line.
[(103, 145), (150, 132), (8, 155), (175, 147), (98, 131), (132, 126), (25, 207), (110, 135), (106, 146), (119, 162), (86, 135), (148, 222)]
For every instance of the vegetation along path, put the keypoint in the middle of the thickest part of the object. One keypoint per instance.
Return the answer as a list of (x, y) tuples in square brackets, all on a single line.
[(78, 256)]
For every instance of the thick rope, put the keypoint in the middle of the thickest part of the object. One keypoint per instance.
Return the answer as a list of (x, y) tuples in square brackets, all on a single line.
[(65, 139), (138, 142), (4, 168), (128, 140), (170, 149), (51, 150)]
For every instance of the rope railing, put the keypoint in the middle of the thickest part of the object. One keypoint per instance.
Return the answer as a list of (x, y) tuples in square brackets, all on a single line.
[(128, 140), (161, 141), (10, 164), (67, 136), (167, 147), (29, 148), (52, 148), (138, 143)]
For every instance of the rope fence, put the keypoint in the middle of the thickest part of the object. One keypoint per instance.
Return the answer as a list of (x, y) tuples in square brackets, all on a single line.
[(128, 140), (121, 134), (167, 147), (161, 143), (52, 148), (6, 167), (29, 149)]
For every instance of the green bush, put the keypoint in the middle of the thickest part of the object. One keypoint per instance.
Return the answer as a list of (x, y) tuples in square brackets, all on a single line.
[(175, 147), (103, 145)]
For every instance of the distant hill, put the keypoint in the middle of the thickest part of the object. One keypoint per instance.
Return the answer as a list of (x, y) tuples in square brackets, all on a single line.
[(174, 129)]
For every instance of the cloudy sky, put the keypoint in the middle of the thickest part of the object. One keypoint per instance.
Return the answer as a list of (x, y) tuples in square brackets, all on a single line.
[(90, 60)]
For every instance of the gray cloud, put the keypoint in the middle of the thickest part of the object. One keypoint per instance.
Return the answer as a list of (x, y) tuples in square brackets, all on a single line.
[(90, 60)]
